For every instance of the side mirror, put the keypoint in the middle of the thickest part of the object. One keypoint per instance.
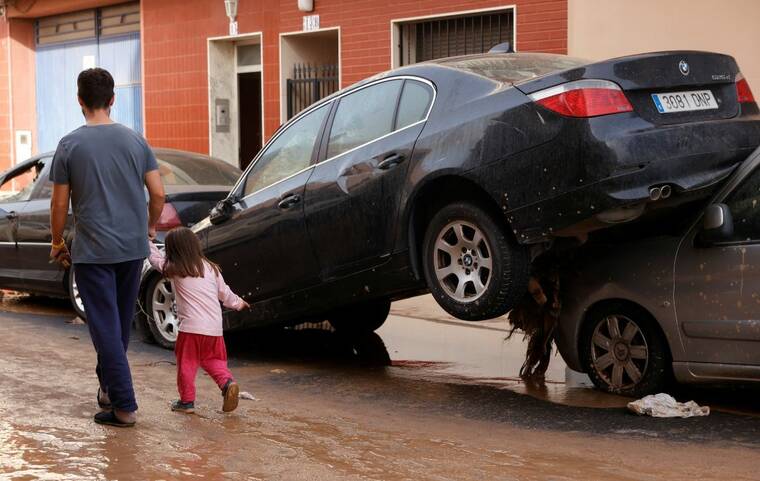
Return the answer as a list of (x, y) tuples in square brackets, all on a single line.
[(717, 225), (221, 212)]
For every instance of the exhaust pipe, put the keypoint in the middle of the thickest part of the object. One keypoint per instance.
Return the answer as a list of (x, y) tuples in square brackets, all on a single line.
[(655, 193), (665, 191)]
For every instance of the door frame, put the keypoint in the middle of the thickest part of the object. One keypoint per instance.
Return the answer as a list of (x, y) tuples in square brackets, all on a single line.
[(281, 89), (236, 40)]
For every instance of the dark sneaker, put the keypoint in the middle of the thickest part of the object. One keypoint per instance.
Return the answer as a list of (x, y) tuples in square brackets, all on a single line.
[(187, 408), (231, 393)]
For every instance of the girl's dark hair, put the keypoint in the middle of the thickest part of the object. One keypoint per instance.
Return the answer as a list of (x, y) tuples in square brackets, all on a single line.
[(95, 88), (184, 256)]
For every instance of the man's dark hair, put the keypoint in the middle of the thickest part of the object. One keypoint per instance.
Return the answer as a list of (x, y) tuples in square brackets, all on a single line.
[(95, 88)]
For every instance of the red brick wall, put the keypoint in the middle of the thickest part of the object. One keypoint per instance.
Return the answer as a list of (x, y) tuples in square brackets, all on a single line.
[(23, 82), (175, 49)]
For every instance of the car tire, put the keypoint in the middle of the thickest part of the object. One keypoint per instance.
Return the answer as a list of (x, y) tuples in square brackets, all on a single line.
[(361, 318), (624, 352), (158, 312), (465, 244), (74, 297)]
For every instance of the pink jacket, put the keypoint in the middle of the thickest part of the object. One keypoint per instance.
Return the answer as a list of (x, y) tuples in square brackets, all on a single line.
[(198, 308)]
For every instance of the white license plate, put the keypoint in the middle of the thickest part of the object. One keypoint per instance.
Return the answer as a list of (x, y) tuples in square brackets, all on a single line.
[(684, 101)]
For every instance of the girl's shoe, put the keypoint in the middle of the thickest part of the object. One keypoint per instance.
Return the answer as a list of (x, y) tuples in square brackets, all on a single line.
[(187, 408), (231, 393)]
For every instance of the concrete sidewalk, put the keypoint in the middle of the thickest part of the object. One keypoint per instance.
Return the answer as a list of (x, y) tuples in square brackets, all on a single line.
[(425, 307)]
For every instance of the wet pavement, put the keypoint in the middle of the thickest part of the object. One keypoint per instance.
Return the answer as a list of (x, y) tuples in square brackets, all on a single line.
[(426, 398)]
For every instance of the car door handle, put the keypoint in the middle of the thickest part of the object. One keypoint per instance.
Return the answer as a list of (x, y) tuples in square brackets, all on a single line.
[(390, 161), (289, 201)]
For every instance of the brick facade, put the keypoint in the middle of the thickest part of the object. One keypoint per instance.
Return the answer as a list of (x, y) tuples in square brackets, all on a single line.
[(175, 33), (175, 62)]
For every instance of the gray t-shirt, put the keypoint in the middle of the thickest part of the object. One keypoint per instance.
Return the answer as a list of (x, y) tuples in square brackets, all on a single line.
[(105, 167)]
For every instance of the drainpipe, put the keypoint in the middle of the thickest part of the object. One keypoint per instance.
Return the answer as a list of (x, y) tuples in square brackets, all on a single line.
[(10, 94)]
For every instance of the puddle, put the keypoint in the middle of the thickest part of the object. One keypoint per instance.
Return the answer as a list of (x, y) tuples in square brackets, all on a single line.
[(454, 351), (457, 352)]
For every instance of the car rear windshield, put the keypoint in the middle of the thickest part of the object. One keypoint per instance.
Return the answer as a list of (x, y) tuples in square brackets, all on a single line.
[(183, 169), (515, 68)]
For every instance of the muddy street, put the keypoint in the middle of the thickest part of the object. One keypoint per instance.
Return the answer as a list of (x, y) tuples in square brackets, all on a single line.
[(426, 398)]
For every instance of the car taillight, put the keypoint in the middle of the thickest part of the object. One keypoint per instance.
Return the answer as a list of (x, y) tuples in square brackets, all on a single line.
[(584, 98), (168, 219), (743, 92)]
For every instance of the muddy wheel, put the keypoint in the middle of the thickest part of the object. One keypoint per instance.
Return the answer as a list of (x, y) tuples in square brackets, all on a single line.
[(473, 267), (159, 311), (624, 352), (74, 296), (361, 318)]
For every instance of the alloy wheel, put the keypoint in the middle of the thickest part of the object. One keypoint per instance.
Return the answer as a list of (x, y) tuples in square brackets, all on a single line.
[(462, 261), (619, 352), (164, 310)]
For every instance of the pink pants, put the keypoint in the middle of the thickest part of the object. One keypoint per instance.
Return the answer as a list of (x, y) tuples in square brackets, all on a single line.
[(194, 351)]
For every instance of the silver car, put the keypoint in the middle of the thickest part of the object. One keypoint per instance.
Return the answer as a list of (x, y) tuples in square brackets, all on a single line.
[(683, 305)]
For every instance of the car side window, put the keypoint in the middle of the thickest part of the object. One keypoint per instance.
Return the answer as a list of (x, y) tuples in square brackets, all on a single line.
[(19, 187), (44, 186), (289, 153), (744, 203), (363, 116), (414, 104)]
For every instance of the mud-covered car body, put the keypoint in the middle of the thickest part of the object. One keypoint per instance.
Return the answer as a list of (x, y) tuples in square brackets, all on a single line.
[(700, 293), (549, 173), (347, 228)]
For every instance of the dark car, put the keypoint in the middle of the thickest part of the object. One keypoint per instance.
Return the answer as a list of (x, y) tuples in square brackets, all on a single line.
[(442, 175), (682, 303), (193, 184)]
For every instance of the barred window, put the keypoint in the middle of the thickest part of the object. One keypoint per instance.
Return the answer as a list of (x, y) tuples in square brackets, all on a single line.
[(428, 39)]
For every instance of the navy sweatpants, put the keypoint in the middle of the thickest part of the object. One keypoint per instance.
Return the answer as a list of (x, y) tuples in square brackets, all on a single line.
[(109, 293)]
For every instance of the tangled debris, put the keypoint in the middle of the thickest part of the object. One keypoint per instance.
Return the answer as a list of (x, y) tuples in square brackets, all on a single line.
[(537, 316), (537, 313)]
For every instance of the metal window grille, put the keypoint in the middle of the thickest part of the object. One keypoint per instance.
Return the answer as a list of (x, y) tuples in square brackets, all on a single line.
[(86, 24), (450, 36), (309, 84)]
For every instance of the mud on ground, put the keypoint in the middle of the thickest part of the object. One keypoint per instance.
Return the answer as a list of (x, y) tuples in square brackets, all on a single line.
[(423, 400)]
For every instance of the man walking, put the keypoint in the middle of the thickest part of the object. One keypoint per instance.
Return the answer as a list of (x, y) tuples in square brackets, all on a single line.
[(102, 167)]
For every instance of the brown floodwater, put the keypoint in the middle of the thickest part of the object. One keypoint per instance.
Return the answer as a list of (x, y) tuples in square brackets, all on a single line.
[(310, 425)]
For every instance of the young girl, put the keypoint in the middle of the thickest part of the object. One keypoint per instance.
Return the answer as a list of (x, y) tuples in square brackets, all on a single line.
[(198, 288)]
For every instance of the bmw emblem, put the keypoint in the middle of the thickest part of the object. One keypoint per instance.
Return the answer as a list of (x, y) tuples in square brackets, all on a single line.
[(683, 67)]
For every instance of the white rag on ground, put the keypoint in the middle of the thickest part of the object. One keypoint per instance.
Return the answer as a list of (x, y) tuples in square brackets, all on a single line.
[(664, 406)]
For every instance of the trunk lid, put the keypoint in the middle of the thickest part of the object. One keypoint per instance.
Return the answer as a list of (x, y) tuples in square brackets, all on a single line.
[(642, 76)]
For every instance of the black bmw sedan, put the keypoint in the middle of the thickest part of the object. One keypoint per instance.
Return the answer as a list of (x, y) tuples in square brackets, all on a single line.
[(444, 176), (193, 184)]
